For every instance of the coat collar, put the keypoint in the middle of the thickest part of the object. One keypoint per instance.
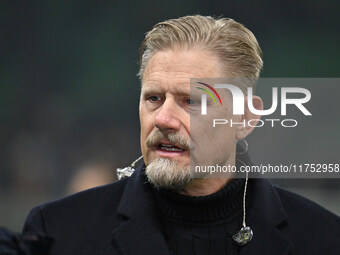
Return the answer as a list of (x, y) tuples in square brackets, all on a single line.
[(140, 229)]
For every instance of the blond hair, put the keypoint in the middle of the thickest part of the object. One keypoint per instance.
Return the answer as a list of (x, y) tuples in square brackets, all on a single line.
[(235, 46)]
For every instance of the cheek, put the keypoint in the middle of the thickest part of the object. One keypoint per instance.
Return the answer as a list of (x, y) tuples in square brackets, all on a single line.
[(146, 125)]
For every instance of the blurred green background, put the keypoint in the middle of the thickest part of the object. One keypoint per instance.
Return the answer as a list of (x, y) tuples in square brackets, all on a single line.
[(69, 92)]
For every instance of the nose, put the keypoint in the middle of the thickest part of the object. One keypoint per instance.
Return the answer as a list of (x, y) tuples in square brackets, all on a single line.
[(167, 117)]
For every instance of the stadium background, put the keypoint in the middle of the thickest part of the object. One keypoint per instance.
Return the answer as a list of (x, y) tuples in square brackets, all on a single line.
[(69, 92)]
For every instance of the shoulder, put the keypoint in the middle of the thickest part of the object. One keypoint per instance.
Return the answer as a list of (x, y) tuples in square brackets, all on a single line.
[(94, 197), (298, 205), (307, 219), (80, 207)]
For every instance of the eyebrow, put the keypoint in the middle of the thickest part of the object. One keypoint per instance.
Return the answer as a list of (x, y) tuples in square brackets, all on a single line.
[(150, 90), (156, 89)]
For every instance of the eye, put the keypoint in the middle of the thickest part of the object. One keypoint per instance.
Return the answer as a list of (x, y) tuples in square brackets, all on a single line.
[(154, 98), (190, 101), (193, 102)]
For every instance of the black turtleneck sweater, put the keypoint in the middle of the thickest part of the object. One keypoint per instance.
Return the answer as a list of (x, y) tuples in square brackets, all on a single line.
[(202, 225)]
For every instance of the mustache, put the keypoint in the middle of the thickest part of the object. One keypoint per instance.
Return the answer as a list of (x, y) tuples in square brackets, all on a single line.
[(174, 138)]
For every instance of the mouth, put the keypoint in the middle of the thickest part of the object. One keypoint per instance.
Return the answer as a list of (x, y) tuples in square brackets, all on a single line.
[(169, 147), (169, 150)]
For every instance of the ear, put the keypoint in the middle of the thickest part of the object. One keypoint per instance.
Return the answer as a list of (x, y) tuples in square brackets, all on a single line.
[(244, 131)]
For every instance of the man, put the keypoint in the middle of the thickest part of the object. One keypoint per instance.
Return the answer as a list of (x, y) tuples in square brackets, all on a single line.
[(162, 208)]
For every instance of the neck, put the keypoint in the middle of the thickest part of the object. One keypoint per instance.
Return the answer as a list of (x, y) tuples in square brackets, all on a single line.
[(207, 186), (204, 186)]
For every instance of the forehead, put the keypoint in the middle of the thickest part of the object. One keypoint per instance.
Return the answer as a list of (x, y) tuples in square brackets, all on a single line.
[(176, 67)]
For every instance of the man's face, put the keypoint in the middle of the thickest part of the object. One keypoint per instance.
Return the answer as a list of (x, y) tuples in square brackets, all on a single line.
[(165, 108)]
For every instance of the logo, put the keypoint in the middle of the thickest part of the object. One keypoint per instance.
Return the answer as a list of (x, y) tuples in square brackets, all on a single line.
[(204, 97), (238, 99), (294, 96)]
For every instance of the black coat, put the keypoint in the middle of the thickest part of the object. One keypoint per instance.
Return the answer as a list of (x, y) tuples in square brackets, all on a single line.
[(122, 218)]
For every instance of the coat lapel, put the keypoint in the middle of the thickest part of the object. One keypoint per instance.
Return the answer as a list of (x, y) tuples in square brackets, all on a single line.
[(266, 216), (140, 230)]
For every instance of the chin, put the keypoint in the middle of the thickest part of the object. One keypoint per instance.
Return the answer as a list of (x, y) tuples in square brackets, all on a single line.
[(168, 174)]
